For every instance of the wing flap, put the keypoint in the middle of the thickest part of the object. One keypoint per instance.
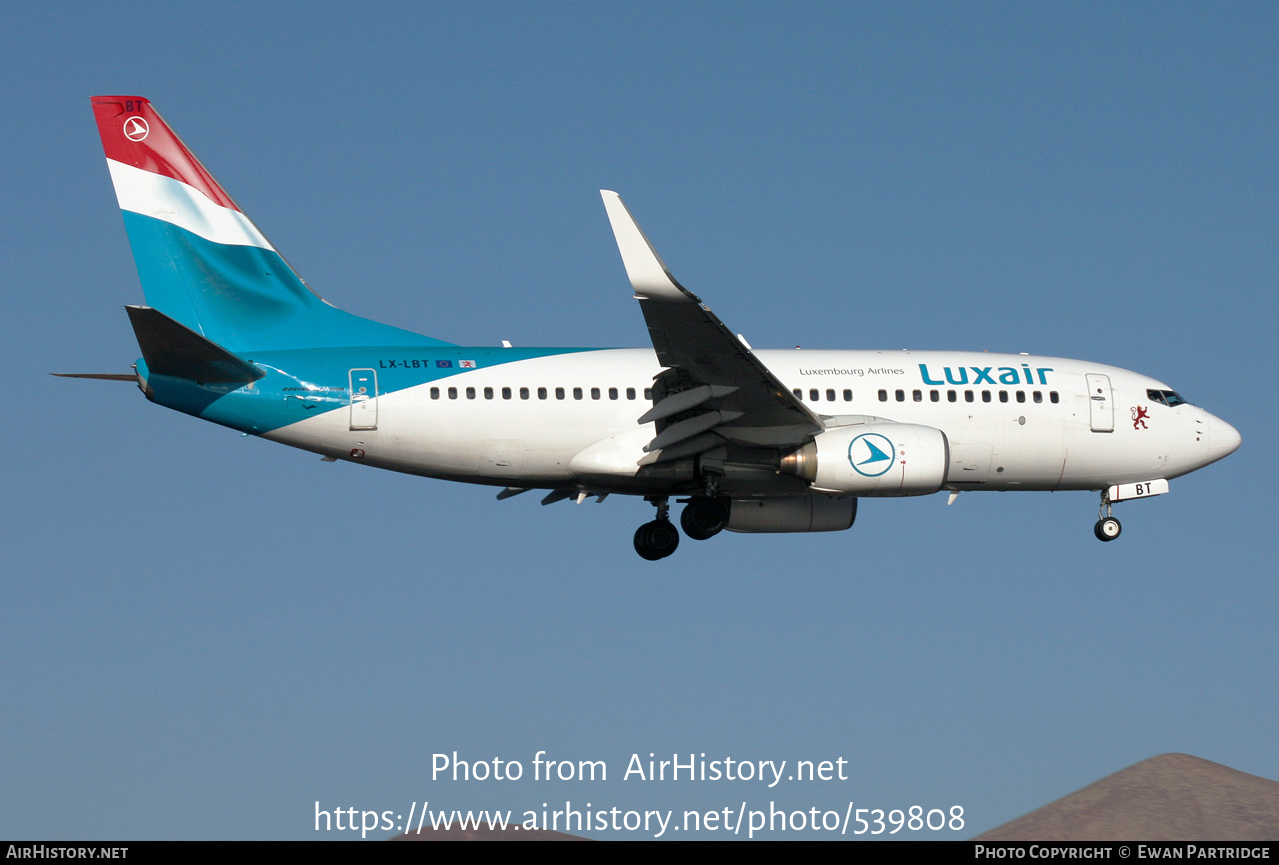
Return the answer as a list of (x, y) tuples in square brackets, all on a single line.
[(689, 427), (683, 401)]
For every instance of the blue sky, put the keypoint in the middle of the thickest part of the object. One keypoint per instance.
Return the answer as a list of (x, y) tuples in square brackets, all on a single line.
[(201, 635)]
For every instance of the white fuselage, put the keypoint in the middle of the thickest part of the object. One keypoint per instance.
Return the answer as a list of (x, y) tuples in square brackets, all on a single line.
[(1012, 421)]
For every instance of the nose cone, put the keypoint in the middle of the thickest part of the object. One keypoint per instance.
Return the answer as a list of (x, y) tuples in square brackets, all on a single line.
[(1223, 439)]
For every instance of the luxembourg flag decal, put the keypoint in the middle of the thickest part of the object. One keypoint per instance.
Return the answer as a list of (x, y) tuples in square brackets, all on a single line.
[(466, 364)]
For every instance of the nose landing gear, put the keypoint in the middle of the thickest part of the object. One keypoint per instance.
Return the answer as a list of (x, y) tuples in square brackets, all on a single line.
[(1107, 527)]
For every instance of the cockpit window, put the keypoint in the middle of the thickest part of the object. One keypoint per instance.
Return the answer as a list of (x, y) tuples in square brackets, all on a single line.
[(1170, 398)]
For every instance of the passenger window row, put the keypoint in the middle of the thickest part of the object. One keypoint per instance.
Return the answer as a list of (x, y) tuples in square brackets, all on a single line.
[(542, 393), (815, 395), (970, 396)]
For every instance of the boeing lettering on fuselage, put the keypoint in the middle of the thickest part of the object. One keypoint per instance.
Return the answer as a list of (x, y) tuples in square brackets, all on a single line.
[(751, 441)]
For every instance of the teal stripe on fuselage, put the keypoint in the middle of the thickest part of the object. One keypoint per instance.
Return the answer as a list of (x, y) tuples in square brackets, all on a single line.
[(304, 383), (244, 298)]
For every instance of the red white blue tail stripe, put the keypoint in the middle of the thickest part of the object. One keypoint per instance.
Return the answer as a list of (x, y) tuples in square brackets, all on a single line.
[(201, 260)]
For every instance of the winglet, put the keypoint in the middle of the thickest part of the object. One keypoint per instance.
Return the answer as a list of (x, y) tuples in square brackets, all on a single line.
[(648, 273)]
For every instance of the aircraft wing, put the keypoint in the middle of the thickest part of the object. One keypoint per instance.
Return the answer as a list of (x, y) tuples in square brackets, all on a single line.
[(714, 387)]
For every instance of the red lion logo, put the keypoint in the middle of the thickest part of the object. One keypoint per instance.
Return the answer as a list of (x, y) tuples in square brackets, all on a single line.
[(1139, 416)]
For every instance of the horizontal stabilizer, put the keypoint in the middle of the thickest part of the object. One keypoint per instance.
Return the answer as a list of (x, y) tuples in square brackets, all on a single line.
[(174, 350), (103, 376)]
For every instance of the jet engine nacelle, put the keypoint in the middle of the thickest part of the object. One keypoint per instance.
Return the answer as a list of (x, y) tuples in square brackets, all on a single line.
[(810, 513), (874, 459)]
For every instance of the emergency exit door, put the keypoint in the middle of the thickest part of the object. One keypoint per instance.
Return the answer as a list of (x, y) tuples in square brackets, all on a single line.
[(363, 399)]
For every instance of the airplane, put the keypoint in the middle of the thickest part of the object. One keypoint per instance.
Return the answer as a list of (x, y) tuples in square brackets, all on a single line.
[(748, 441)]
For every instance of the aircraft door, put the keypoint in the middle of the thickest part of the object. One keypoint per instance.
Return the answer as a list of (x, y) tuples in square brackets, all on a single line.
[(363, 399), (1101, 409)]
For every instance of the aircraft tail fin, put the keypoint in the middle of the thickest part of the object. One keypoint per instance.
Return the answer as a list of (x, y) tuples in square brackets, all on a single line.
[(201, 259)]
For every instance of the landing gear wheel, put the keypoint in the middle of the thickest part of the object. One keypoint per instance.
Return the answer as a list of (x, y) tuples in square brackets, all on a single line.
[(1107, 529), (656, 540), (703, 518)]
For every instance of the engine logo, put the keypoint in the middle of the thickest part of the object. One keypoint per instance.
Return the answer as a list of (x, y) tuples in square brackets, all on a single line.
[(871, 454)]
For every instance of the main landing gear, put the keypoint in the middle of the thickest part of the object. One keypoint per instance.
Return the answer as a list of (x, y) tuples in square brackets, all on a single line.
[(1107, 528), (703, 517), (658, 539)]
